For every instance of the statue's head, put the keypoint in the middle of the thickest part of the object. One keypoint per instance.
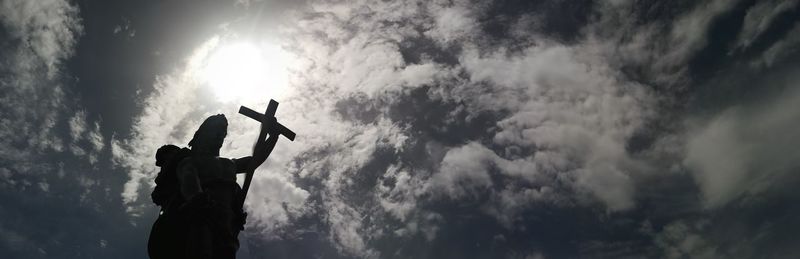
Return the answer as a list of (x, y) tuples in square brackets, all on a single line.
[(164, 153), (209, 137)]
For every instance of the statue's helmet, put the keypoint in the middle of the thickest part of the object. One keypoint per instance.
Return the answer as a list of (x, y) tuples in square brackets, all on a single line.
[(211, 134)]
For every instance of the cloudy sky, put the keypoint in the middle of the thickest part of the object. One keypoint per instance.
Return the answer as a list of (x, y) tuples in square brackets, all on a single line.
[(426, 129)]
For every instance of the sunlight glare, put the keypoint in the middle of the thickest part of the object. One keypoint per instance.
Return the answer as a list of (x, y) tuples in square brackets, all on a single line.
[(240, 71)]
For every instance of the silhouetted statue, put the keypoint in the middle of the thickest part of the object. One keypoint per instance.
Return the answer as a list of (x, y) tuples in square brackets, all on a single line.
[(201, 202), (166, 234)]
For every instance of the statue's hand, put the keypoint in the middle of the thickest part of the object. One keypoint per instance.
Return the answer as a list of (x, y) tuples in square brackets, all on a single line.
[(264, 144), (269, 125)]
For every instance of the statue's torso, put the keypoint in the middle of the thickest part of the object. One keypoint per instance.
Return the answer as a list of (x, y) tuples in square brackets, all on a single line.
[(214, 176), (212, 169), (212, 225)]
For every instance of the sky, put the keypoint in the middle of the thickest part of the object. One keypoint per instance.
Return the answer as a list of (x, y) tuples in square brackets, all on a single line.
[(425, 129)]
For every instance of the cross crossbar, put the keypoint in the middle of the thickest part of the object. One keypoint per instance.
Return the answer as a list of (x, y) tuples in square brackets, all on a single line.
[(273, 106)]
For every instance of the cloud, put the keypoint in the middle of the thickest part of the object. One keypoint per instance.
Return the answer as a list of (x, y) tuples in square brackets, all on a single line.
[(561, 119), (464, 171), (164, 111), (77, 125), (413, 120), (452, 22), (690, 30), (40, 36), (569, 107), (47, 28), (745, 149), (781, 49), (681, 240), (277, 201), (82, 136), (310, 107), (398, 195), (759, 18), (647, 43), (49, 144)]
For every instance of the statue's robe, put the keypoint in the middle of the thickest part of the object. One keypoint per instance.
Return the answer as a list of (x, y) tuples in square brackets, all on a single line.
[(166, 235), (212, 212)]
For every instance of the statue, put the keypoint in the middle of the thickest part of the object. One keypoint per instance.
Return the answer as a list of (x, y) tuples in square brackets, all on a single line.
[(201, 202), (167, 229)]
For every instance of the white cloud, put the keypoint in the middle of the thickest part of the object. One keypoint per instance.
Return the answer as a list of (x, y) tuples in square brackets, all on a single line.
[(82, 135), (566, 103), (347, 231), (689, 32), (346, 155), (267, 198), (41, 35), (563, 115), (96, 138), (38, 134), (464, 170), (400, 197), (569, 106), (719, 160), (164, 120), (452, 22), (77, 125), (745, 150), (660, 49), (720, 151), (48, 27)]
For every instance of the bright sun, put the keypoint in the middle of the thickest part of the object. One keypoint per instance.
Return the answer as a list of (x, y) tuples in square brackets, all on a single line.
[(240, 71)]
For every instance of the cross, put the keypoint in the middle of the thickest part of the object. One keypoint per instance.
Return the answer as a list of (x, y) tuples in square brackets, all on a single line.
[(279, 128), (271, 108)]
